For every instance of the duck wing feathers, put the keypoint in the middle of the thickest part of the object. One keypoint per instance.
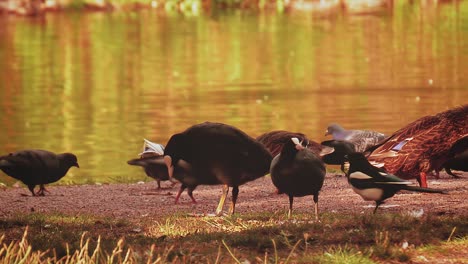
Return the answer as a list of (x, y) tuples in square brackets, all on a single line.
[(424, 144), (274, 141)]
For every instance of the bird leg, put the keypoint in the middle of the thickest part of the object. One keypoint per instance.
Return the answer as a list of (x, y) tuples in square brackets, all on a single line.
[(159, 184), (377, 204), (41, 191), (291, 199), (343, 168), (449, 172), (190, 193), (316, 206), (235, 193), (182, 188), (422, 180), (31, 188), (219, 209)]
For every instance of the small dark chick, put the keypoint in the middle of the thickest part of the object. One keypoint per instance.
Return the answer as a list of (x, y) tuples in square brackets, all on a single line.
[(154, 167), (459, 162), (37, 167), (297, 171)]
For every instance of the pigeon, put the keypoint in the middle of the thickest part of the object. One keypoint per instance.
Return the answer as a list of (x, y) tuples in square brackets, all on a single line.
[(37, 167), (362, 139), (373, 184), (297, 171), (216, 153)]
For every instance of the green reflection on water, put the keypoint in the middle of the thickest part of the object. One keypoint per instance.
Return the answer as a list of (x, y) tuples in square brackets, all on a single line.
[(97, 84)]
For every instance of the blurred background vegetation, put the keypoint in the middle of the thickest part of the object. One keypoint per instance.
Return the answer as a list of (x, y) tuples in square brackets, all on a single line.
[(34, 7)]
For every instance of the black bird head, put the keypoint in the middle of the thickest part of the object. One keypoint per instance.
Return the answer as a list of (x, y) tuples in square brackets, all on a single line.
[(291, 147), (69, 159), (341, 149), (176, 149)]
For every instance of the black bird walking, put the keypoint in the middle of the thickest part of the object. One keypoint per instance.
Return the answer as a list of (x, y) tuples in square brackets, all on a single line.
[(216, 153), (297, 171), (37, 167), (373, 184)]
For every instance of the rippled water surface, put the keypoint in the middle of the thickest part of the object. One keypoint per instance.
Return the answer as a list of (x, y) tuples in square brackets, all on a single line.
[(96, 84)]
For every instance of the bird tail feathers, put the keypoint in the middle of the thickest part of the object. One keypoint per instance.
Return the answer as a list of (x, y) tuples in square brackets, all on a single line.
[(426, 190)]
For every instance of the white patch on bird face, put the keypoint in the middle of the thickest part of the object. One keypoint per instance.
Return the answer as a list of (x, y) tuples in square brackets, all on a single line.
[(359, 175), (295, 141), (371, 194)]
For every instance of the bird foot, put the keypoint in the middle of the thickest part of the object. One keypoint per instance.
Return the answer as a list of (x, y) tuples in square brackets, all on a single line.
[(455, 175), (40, 193)]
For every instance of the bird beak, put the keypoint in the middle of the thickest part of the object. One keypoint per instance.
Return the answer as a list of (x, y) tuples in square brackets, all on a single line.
[(327, 133), (76, 165), (297, 143), (170, 168)]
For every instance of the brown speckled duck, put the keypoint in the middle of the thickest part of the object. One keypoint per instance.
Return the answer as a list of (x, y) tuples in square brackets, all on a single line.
[(423, 145), (274, 141)]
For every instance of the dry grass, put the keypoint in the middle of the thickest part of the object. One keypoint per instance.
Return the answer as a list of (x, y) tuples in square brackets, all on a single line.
[(257, 238)]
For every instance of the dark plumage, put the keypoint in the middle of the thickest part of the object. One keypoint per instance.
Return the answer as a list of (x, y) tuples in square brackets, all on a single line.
[(362, 139), (459, 162), (424, 145), (216, 153), (337, 157), (275, 140), (37, 167), (154, 167), (373, 184), (297, 171)]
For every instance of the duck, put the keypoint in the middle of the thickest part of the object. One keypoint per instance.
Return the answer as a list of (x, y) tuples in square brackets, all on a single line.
[(37, 167), (337, 157), (362, 139), (374, 184), (152, 161), (297, 171), (424, 145), (213, 153)]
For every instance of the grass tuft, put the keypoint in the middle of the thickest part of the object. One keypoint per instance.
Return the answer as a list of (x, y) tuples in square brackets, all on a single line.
[(257, 237)]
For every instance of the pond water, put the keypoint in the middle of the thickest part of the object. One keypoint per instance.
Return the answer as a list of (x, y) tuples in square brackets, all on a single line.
[(96, 84)]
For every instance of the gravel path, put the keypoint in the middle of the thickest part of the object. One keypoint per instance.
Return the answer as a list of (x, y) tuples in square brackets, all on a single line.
[(136, 201)]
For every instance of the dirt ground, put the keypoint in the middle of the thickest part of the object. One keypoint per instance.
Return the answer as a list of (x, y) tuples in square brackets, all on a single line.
[(138, 201)]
